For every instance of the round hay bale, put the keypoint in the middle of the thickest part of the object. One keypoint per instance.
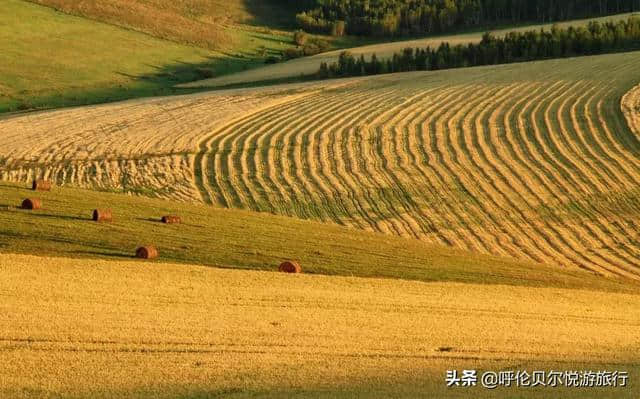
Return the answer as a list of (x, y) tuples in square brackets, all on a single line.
[(147, 252), (32, 204), (102, 215), (171, 219), (41, 185), (290, 267)]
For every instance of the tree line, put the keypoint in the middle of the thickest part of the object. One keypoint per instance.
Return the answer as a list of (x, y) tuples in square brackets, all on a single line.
[(418, 17), (595, 38)]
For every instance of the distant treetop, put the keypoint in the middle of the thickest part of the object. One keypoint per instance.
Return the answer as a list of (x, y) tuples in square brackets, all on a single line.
[(413, 17)]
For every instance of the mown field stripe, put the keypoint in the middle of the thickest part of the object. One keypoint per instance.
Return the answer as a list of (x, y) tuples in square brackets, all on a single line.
[(513, 221), (391, 189), (258, 184), (551, 155), (615, 174), (323, 144), (291, 166), (470, 217), (519, 150), (405, 165), (345, 153), (597, 238), (432, 158), (441, 213)]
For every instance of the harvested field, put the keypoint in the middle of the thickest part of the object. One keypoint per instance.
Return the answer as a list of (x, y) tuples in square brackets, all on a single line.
[(534, 161), (256, 241), (143, 146), (92, 328)]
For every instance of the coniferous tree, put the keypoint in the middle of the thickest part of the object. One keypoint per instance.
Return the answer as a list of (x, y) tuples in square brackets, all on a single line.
[(597, 38), (414, 17)]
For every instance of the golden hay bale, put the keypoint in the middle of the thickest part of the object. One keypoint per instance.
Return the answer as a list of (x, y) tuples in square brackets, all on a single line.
[(41, 185), (290, 267), (147, 252), (32, 204), (171, 219), (102, 215)]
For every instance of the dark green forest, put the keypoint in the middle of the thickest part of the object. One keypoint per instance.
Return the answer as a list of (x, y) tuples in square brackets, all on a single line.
[(596, 38), (388, 18)]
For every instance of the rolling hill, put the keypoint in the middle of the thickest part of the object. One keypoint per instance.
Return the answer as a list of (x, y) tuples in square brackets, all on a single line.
[(532, 161), (115, 50), (309, 65), (96, 323), (248, 240), (472, 219), (53, 59), (215, 25)]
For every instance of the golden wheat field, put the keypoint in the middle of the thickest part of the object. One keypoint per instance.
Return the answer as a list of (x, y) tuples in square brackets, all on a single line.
[(537, 161), (92, 328)]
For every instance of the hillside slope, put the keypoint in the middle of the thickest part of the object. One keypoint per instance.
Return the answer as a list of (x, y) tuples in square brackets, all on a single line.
[(309, 65), (248, 240), (52, 59), (216, 25), (105, 329), (534, 161)]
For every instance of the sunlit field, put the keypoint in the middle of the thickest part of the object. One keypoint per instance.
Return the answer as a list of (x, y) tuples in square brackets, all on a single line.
[(439, 224), (536, 161), (310, 65), (91, 328), (52, 59)]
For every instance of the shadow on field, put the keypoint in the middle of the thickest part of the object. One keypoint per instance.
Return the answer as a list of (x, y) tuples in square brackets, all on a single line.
[(159, 221), (62, 217), (151, 220), (270, 39), (105, 254), (161, 82), (274, 13)]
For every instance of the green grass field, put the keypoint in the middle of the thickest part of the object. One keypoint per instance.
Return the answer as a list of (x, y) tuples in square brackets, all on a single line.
[(51, 59), (212, 24), (248, 240)]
